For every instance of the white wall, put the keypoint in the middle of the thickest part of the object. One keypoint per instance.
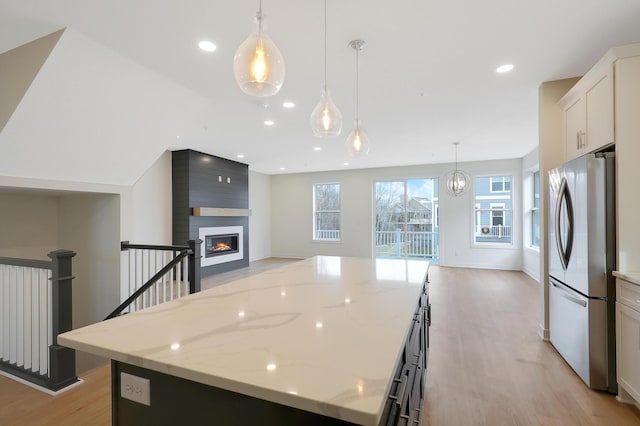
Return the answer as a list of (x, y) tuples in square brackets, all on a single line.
[(530, 255), (28, 225), (89, 224), (151, 205), (260, 219), (291, 214)]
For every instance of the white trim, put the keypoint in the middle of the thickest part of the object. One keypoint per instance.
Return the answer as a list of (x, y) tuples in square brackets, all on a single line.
[(493, 197), (220, 230), (40, 388), (544, 333)]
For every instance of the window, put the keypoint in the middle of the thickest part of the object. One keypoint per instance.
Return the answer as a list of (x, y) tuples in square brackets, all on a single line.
[(535, 210), (405, 219), (500, 183), (497, 214), (493, 214), (326, 211)]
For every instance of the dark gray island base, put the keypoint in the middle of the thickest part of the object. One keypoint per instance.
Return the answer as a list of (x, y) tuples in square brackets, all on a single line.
[(178, 401)]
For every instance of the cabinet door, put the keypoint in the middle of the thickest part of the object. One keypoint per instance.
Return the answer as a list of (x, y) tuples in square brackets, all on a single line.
[(628, 348), (575, 128), (600, 114)]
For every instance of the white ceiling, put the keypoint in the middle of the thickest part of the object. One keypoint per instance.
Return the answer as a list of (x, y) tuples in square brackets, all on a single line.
[(426, 77)]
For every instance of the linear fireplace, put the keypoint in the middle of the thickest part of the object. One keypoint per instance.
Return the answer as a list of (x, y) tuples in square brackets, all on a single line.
[(221, 244), (218, 245)]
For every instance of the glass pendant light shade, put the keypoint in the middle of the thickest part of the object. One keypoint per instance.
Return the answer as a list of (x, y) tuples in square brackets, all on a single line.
[(358, 142), (457, 182), (326, 118), (258, 65)]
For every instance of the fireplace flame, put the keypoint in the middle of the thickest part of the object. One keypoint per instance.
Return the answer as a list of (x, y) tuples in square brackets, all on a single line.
[(220, 246)]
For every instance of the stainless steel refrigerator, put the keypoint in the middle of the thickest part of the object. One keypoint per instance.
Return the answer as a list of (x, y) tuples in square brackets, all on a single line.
[(581, 262)]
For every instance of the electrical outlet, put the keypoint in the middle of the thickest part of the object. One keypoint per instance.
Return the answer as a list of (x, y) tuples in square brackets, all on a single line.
[(135, 388)]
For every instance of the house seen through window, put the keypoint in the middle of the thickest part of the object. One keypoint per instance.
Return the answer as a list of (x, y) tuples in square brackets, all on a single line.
[(406, 218), (493, 215), (326, 211)]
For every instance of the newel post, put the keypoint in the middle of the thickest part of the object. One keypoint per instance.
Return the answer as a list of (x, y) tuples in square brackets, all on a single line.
[(62, 361), (194, 265)]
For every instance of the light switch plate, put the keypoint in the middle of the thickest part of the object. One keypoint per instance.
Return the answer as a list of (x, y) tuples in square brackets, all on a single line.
[(134, 388)]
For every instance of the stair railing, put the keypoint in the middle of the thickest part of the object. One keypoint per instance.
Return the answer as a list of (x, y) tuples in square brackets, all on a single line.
[(35, 306), (150, 284)]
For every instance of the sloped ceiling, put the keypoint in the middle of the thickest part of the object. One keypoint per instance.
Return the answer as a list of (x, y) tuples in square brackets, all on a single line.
[(91, 115), (18, 68)]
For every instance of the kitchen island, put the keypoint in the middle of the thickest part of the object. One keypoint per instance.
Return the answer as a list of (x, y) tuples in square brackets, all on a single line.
[(326, 340)]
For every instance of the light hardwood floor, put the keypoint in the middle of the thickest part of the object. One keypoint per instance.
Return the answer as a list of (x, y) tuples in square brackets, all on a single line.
[(487, 366)]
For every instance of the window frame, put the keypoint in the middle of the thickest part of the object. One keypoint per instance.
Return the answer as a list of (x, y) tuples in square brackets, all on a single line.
[(502, 182), (497, 197), (315, 212), (534, 209)]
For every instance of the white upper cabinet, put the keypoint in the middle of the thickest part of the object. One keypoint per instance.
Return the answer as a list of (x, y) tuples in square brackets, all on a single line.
[(588, 113), (575, 128), (600, 130)]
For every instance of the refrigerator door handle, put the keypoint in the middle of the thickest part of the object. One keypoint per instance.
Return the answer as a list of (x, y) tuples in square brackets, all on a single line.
[(564, 197), (569, 297)]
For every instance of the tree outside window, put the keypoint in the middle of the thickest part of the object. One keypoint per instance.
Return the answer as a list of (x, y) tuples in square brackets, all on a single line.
[(326, 211)]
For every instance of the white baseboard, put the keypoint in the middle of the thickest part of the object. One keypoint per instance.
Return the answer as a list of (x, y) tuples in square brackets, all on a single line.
[(40, 388), (626, 398), (543, 333)]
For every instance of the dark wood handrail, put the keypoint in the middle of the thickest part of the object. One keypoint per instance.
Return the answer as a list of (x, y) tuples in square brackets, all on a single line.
[(125, 245), (27, 263), (149, 283)]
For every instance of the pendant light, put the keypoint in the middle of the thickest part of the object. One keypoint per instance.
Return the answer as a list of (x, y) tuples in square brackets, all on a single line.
[(258, 65), (326, 118), (357, 141), (457, 182)]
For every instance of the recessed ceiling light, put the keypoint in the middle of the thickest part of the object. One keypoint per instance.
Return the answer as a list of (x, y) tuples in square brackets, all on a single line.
[(288, 104), (345, 164), (207, 46), (504, 68), (240, 156), (317, 148), (271, 367), (282, 168), (269, 122)]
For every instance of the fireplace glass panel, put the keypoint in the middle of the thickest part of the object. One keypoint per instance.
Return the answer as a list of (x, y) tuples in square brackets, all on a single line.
[(216, 245)]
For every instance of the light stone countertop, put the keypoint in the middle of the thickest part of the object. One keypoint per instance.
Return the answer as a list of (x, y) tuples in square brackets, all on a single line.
[(632, 277), (323, 334)]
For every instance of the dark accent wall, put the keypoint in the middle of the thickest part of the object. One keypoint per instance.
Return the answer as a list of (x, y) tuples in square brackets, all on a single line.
[(203, 180)]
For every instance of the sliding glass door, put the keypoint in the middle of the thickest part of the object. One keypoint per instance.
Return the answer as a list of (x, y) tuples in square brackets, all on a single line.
[(406, 219)]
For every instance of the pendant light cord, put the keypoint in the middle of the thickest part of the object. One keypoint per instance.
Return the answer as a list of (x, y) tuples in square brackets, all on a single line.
[(259, 17), (456, 157), (357, 86), (325, 45)]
